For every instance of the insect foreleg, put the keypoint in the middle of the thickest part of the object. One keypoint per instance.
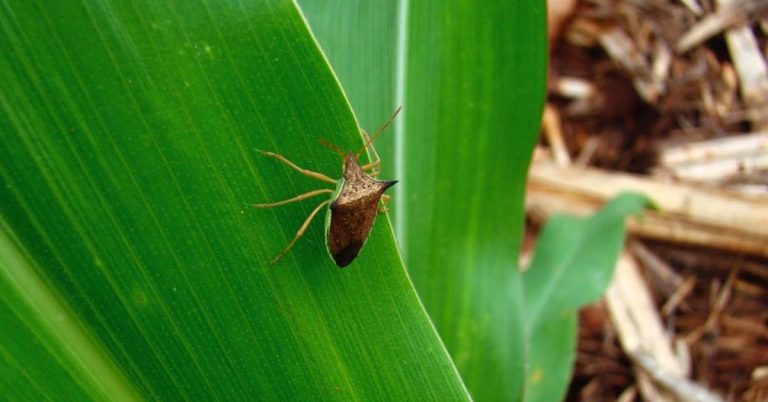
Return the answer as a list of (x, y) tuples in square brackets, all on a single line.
[(305, 172), (376, 158), (300, 197)]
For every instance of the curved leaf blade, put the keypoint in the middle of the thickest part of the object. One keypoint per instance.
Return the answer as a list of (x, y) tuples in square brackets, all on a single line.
[(133, 131)]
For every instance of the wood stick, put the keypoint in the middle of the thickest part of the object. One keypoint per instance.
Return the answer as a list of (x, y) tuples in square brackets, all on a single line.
[(687, 214), (638, 324), (750, 65)]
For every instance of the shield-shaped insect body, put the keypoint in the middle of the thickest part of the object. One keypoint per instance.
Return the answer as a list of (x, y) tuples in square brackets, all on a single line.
[(352, 211), (352, 207)]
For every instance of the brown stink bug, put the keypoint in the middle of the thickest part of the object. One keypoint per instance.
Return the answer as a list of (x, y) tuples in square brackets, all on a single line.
[(353, 205)]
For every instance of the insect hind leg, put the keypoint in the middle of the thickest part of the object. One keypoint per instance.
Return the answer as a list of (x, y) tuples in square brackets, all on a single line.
[(385, 199), (300, 232)]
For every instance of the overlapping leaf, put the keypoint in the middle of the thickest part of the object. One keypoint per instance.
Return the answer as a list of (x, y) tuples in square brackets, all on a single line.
[(470, 77)]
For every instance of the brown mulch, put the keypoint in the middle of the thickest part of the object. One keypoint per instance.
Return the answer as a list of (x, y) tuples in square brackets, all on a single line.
[(721, 322), (649, 74)]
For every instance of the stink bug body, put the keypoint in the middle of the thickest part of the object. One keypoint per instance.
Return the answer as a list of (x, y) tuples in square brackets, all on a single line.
[(352, 207)]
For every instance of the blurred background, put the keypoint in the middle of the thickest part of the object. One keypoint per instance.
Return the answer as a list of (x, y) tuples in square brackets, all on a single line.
[(670, 98)]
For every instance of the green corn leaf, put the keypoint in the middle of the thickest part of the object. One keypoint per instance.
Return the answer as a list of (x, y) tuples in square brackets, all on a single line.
[(572, 265), (132, 266)]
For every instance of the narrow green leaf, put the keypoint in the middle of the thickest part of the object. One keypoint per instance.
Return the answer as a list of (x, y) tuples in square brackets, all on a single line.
[(572, 265), (129, 162)]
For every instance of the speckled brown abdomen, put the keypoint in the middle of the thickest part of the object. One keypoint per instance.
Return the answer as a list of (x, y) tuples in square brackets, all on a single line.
[(353, 212)]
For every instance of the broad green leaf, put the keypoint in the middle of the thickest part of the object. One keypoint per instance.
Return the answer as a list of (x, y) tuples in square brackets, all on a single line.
[(470, 77), (132, 264), (572, 265)]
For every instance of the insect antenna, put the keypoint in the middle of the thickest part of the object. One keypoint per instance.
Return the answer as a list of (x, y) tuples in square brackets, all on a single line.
[(332, 147), (376, 135)]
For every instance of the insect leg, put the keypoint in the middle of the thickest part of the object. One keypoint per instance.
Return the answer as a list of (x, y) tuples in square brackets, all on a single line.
[(331, 146), (300, 197), (301, 231), (385, 198), (377, 160), (305, 172), (370, 140)]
